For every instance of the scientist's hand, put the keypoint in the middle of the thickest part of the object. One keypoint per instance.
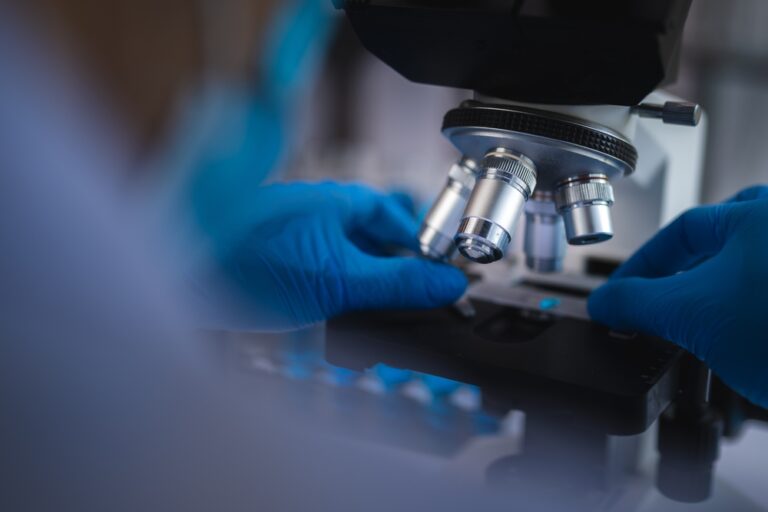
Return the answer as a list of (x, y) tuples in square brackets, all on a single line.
[(318, 250), (702, 283)]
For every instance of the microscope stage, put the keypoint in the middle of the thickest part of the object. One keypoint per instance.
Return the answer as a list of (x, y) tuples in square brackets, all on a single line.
[(522, 358)]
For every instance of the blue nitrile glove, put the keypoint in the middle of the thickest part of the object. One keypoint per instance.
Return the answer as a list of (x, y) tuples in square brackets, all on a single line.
[(702, 283), (228, 135), (316, 250)]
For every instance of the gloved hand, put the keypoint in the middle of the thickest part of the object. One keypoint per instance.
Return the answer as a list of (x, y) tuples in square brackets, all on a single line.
[(702, 283), (318, 250)]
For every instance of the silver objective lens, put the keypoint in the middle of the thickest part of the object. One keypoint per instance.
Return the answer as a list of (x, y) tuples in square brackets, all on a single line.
[(585, 204), (504, 184), (442, 220), (544, 235)]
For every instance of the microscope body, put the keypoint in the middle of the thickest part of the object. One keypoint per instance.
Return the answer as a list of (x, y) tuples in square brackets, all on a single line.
[(558, 91), (566, 106)]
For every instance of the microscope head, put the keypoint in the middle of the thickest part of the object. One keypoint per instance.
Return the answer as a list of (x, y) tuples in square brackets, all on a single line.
[(557, 85)]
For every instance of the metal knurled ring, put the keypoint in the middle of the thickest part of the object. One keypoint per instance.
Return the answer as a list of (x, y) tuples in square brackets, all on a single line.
[(512, 167), (584, 192)]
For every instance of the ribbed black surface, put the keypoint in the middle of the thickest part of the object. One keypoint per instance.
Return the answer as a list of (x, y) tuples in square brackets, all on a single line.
[(551, 128)]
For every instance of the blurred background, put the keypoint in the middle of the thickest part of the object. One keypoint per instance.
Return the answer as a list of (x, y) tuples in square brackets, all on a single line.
[(363, 121)]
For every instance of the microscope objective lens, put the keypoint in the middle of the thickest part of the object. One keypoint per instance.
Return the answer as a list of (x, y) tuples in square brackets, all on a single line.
[(442, 220), (505, 182)]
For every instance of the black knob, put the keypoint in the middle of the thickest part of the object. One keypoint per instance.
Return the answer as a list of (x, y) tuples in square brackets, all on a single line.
[(672, 112)]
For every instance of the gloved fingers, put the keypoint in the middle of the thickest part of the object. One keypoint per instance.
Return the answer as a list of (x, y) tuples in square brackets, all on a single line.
[(422, 212), (750, 194), (366, 244), (405, 199), (694, 236), (404, 283), (637, 304), (382, 219)]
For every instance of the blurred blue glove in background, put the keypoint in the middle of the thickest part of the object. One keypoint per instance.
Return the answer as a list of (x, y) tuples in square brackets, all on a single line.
[(702, 283), (319, 250), (231, 136), (294, 254)]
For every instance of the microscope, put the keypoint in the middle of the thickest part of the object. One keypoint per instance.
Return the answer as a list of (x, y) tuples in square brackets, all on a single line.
[(558, 88), (566, 106)]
